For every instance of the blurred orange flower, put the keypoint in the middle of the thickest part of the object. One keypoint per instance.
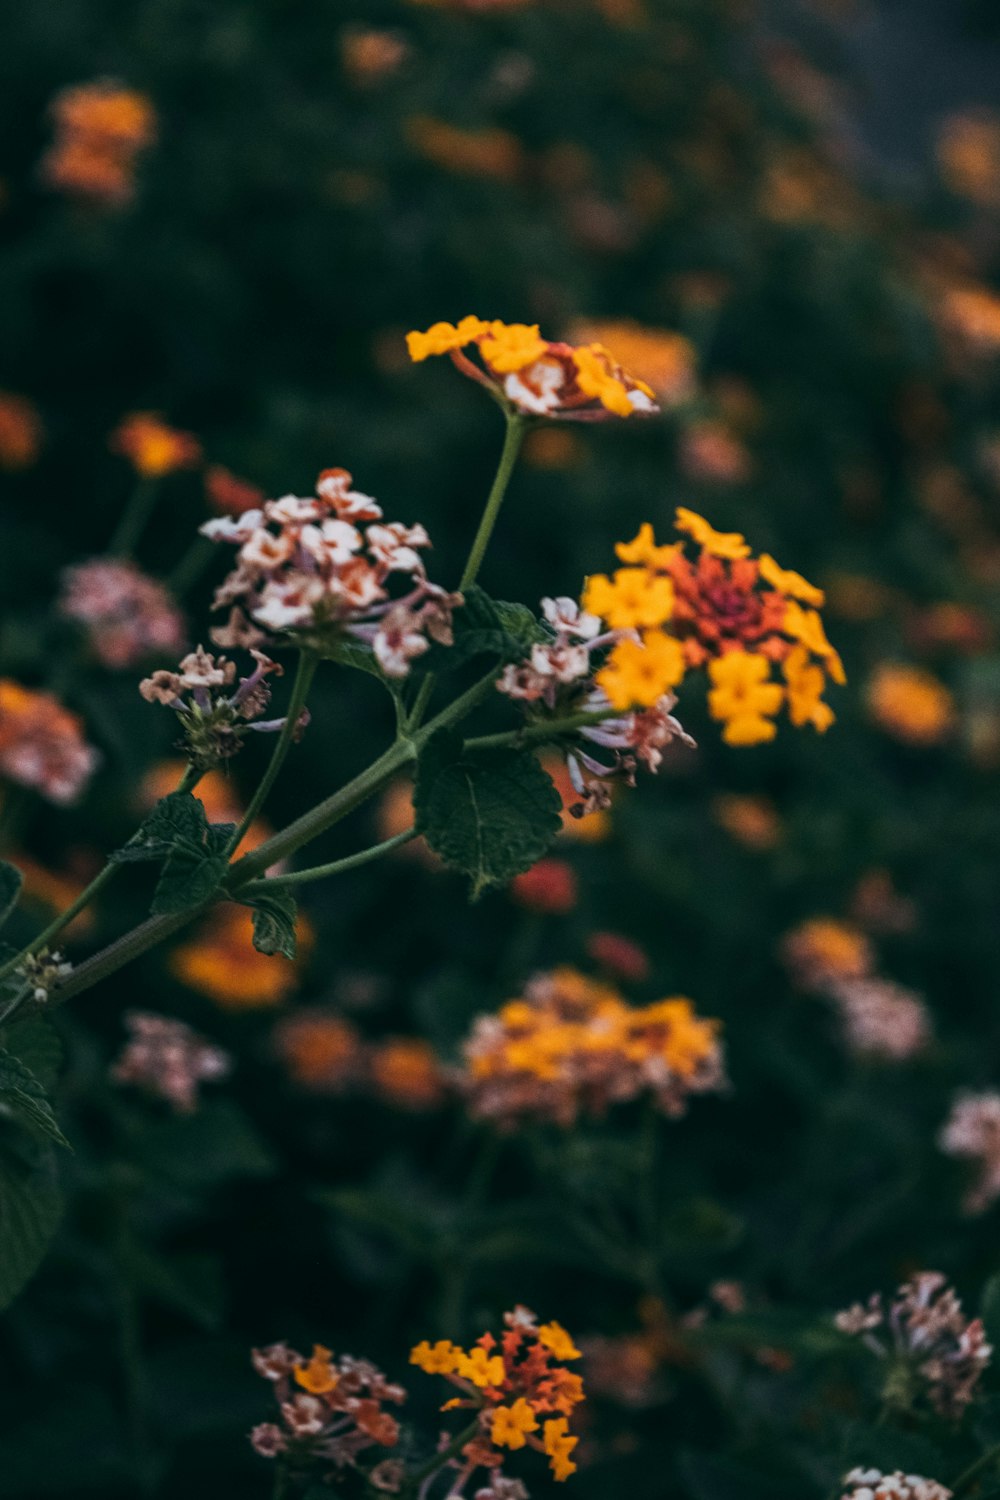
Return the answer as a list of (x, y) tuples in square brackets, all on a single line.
[(152, 447), (910, 704), (20, 432), (221, 963), (750, 820), (406, 1071)]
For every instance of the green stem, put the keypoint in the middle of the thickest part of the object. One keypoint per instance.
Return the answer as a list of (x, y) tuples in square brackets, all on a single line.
[(335, 867), (440, 1459), (544, 730), (972, 1473), (185, 574), (134, 518), (513, 438), (304, 674)]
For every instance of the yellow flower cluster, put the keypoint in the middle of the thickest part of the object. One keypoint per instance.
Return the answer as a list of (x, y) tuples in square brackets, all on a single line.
[(737, 616), (534, 375), (519, 1385), (572, 1045)]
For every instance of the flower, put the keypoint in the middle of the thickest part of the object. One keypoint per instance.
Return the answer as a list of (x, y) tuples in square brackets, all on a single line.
[(822, 950), (100, 129), (331, 1408), (559, 1445), (168, 1060), (511, 1424), (43, 972), (881, 1019), (20, 432), (214, 715), (490, 153), (126, 614), (872, 1484), (406, 1071), (929, 1337), (518, 1384), (743, 697), (42, 744), (152, 447), (752, 821), (910, 704), (619, 955), (222, 963), (665, 360), (571, 1046), (534, 376), (322, 1052), (725, 611), (228, 495), (555, 1338), (309, 569), (550, 886), (972, 1131)]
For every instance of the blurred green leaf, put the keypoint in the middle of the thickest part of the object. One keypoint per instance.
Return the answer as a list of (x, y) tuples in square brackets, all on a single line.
[(23, 1097), (30, 1209)]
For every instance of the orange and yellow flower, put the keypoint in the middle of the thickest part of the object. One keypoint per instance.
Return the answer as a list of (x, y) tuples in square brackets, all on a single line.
[(723, 610), (535, 376), (519, 1386)]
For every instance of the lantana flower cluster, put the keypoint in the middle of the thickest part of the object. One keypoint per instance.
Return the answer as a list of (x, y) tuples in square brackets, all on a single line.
[(326, 1054), (214, 714), (927, 1341), (127, 616), (872, 1484), (42, 744), (535, 376), (168, 1060), (571, 1045), (878, 1017), (972, 1132), (736, 616), (520, 1387), (557, 680), (317, 568), (331, 1408), (101, 127)]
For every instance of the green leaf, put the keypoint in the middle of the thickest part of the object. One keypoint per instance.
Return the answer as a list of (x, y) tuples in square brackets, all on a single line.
[(193, 872), (487, 627), (352, 653), (274, 914), (178, 818), (36, 1043), (24, 1099), (490, 815), (30, 1206), (11, 881)]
